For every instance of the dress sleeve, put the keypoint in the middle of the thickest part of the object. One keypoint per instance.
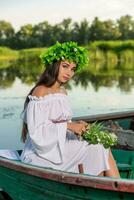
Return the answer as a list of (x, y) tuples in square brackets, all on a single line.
[(60, 110), (47, 136)]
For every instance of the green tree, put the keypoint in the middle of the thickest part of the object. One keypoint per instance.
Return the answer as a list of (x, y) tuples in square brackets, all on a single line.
[(104, 30), (126, 27), (65, 26), (56, 33), (80, 32), (110, 31), (6, 33), (23, 36), (96, 29), (42, 34)]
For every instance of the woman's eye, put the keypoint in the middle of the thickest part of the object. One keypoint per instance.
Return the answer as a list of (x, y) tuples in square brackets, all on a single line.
[(65, 66), (73, 69)]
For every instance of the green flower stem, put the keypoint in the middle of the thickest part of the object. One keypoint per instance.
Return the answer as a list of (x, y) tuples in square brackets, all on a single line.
[(95, 135)]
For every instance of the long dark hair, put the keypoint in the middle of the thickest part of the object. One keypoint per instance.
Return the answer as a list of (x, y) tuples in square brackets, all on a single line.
[(47, 78)]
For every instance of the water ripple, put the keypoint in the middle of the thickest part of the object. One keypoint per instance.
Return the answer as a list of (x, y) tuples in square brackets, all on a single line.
[(10, 112)]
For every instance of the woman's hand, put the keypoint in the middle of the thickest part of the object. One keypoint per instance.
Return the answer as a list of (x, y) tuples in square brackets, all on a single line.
[(77, 127)]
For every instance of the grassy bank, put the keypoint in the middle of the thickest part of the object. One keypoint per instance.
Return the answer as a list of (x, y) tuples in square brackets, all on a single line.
[(25, 54), (116, 46), (30, 54), (8, 54), (111, 51), (23, 57)]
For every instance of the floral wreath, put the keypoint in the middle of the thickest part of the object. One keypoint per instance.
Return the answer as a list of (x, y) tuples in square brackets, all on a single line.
[(66, 51)]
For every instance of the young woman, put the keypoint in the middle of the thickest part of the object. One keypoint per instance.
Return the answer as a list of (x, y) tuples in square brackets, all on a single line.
[(49, 135)]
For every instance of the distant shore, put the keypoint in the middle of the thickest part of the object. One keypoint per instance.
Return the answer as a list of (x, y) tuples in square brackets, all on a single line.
[(98, 51)]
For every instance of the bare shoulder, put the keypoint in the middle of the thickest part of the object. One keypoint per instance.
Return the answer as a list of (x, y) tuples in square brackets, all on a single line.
[(40, 91), (63, 90)]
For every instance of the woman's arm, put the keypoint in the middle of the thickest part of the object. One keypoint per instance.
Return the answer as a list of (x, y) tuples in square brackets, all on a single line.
[(77, 127)]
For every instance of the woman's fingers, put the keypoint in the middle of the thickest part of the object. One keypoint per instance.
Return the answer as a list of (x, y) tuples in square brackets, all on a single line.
[(83, 130), (88, 127), (83, 122), (81, 127)]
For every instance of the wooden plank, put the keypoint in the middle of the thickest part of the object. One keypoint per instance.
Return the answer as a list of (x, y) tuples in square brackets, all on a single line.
[(106, 116), (71, 178)]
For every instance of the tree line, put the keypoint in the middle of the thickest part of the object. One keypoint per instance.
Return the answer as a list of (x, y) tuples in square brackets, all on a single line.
[(84, 32)]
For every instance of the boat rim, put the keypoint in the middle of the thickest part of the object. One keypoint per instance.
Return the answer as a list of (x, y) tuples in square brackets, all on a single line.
[(106, 183)]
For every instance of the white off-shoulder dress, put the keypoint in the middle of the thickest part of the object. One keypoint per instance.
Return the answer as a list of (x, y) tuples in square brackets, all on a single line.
[(50, 144)]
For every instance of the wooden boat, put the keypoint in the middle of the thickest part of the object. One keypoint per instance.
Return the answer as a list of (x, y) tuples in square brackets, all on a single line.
[(19, 181)]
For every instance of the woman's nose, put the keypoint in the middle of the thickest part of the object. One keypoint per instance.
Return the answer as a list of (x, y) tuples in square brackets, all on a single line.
[(69, 72)]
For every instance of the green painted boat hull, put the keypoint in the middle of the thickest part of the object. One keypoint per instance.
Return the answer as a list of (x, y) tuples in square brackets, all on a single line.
[(21, 186), (19, 181)]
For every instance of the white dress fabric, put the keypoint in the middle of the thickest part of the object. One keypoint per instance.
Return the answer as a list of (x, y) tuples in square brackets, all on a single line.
[(50, 144)]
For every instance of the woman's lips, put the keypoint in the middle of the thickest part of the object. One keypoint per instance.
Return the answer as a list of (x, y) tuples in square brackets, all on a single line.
[(66, 78)]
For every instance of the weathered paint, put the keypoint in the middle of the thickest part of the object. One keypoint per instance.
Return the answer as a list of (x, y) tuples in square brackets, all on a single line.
[(27, 182)]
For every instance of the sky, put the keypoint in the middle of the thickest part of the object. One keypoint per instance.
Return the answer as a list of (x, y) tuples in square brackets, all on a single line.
[(21, 12)]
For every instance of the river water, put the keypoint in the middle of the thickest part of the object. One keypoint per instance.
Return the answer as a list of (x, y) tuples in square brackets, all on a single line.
[(90, 92)]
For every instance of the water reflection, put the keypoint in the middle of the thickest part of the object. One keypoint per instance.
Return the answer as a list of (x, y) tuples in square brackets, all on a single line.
[(98, 74), (101, 87)]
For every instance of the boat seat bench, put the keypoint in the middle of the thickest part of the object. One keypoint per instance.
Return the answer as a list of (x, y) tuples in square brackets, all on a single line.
[(125, 162)]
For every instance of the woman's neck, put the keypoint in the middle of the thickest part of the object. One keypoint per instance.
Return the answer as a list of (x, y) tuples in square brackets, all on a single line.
[(56, 85)]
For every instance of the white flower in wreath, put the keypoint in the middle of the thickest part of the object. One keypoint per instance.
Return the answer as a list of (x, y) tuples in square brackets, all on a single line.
[(75, 49)]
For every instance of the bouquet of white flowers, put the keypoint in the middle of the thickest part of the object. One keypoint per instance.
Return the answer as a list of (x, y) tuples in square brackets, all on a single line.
[(96, 135)]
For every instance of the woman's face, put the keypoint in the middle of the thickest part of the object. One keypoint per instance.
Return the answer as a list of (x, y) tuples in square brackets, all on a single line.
[(66, 71)]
